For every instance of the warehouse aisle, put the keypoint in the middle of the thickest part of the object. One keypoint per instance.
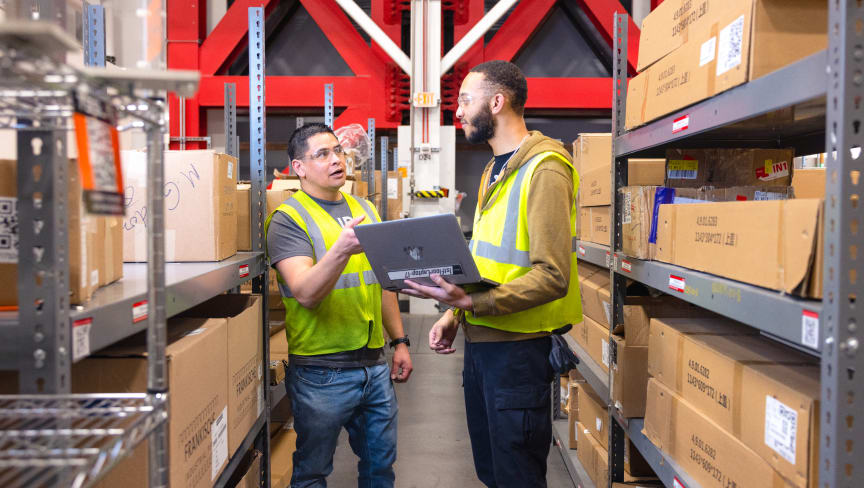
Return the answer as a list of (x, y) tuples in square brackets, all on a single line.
[(434, 450)]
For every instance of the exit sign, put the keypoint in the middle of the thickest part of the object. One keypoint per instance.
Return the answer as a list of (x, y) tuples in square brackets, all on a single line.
[(425, 99)]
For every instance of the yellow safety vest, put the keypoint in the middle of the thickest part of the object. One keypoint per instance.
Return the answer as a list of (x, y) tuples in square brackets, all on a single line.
[(350, 316), (500, 247)]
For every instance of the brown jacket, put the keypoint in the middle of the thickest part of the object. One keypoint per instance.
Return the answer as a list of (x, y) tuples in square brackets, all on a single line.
[(548, 216)]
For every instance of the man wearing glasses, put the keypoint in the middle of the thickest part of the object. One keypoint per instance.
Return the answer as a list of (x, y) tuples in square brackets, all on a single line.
[(335, 311)]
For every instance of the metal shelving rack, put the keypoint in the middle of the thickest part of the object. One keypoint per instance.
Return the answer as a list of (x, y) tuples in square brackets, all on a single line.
[(823, 91), (48, 436)]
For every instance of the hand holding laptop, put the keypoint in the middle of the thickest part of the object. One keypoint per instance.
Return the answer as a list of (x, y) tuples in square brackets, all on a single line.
[(445, 292)]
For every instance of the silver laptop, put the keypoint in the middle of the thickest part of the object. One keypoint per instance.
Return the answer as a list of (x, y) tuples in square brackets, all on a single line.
[(417, 248)]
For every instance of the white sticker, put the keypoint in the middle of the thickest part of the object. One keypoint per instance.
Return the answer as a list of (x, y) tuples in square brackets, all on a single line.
[(243, 270), (581, 250), (626, 266), (706, 53), (810, 329), (677, 484), (230, 170), (599, 423), (139, 311), (768, 195), (195, 332), (627, 210), (392, 188), (681, 123), (607, 309), (94, 277), (81, 338), (781, 428), (605, 352), (219, 443), (729, 49), (677, 283), (8, 230), (424, 272)]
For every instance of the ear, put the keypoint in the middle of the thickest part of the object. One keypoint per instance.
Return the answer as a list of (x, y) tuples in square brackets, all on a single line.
[(299, 170), (496, 103)]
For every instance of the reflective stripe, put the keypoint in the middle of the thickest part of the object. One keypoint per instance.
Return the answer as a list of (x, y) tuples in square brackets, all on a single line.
[(285, 291), (369, 213), (311, 226), (347, 280), (511, 219), (369, 277), (502, 254)]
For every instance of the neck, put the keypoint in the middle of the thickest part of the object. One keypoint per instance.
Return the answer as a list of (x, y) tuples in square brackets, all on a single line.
[(320, 193), (509, 134)]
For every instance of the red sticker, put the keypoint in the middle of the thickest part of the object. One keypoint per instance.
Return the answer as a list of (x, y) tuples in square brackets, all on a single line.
[(581, 251), (139, 311), (677, 484), (244, 270), (626, 266), (676, 283), (681, 123)]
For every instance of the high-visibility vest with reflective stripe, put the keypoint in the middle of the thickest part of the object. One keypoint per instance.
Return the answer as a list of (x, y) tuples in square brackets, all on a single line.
[(500, 246), (350, 316)]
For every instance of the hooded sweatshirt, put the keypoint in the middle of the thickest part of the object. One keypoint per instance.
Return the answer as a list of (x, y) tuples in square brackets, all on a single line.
[(550, 198)]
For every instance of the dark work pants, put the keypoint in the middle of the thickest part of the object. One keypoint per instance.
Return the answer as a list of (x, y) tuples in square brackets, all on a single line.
[(509, 407)]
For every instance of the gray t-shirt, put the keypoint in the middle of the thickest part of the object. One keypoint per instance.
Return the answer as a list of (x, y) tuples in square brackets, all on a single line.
[(286, 239)]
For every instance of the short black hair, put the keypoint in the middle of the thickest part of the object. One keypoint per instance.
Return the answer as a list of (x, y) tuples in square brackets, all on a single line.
[(299, 142), (508, 78)]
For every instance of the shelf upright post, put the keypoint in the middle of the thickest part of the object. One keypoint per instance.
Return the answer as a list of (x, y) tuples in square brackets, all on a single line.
[(385, 142), (617, 438), (369, 170), (94, 35), (842, 461), (232, 141), (43, 269), (157, 377), (258, 212), (328, 105)]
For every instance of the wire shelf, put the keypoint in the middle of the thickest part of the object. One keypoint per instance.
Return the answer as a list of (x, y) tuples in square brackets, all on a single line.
[(71, 440)]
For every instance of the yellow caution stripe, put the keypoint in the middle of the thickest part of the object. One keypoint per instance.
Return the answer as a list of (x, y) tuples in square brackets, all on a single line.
[(432, 193)]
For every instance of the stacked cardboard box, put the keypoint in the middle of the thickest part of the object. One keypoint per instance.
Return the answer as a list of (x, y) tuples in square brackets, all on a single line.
[(394, 193), (575, 380), (733, 408), (282, 447), (95, 242), (692, 50), (200, 206), (253, 473)]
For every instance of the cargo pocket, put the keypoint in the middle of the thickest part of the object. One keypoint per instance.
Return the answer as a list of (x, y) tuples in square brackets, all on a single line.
[(521, 412)]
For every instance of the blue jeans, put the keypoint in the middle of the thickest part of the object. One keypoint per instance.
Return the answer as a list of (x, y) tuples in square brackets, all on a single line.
[(326, 399), (508, 401)]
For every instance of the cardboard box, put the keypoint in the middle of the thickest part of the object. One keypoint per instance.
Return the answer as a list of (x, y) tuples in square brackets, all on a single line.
[(253, 475), (595, 186), (735, 41), (197, 373), (723, 168), (773, 244), (394, 193), (645, 172), (282, 447), (571, 426), (244, 220), (279, 347), (595, 225), (95, 242), (629, 377), (200, 206), (242, 314), (592, 151), (292, 183), (637, 215), (564, 383), (596, 342), (593, 456), (593, 415), (596, 297), (277, 372), (668, 27), (809, 183), (713, 457), (763, 393)]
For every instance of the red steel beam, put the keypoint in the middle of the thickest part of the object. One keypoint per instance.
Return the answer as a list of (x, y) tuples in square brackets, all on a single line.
[(227, 38), (569, 93), (286, 91), (601, 13), (186, 25), (518, 29)]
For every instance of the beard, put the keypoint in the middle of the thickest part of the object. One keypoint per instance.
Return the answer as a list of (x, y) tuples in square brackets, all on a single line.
[(484, 126)]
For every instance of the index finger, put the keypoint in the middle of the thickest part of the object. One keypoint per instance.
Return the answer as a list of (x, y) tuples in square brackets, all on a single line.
[(354, 222)]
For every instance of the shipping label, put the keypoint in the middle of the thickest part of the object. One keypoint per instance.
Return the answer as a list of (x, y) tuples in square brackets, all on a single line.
[(605, 352), (781, 428), (219, 443), (607, 310), (772, 170), (682, 169), (627, 209), (8, 230), (706, 52), (407, 274), (81, 338), (729, 50)]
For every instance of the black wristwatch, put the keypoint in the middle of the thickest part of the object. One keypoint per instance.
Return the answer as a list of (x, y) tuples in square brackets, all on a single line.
[(401, 340)]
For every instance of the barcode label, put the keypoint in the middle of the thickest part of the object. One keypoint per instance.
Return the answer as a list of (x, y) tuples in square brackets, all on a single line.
[(627, 215), (219, 443), (729, 49), (407, 274), (768, 195), (81, 338), (607, 310), (682, 169), (8, 230), (810, 329), (781, 428)]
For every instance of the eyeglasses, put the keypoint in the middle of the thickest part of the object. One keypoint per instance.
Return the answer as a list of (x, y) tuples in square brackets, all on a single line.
[(464, 99), (324, 153)]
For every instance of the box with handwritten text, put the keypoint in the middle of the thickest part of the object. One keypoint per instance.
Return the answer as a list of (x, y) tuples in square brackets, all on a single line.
[(200, 206)]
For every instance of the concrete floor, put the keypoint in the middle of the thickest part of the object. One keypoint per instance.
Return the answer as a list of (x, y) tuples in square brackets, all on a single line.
[(434, 449)]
